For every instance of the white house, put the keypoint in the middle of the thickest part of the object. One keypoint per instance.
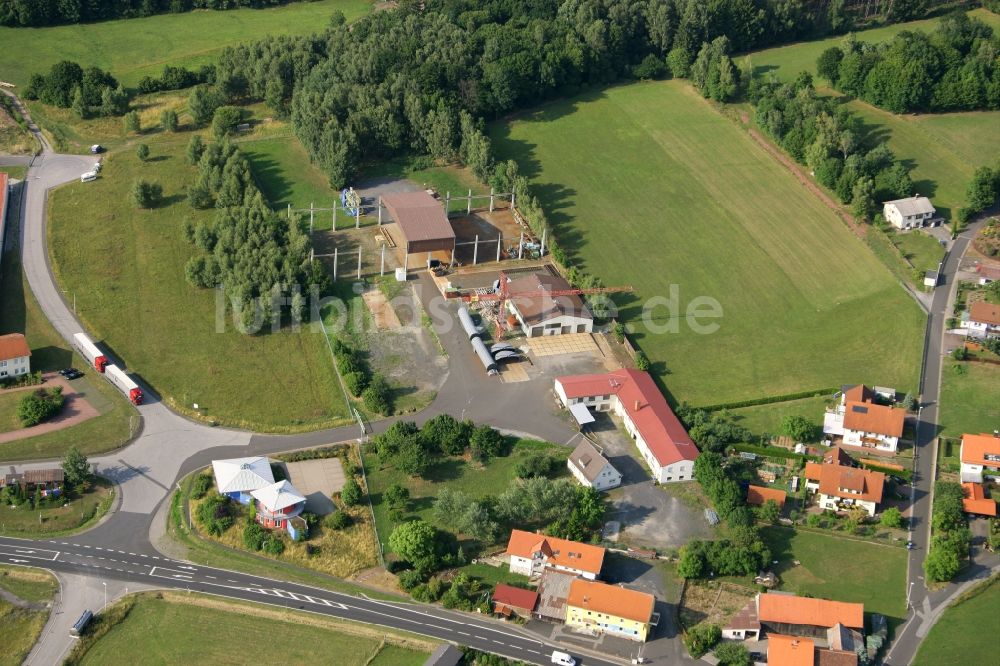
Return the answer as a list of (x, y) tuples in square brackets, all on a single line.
[(980, 456), (841, 487), (981, 320), (531, 553), (648, 419), (863, 423), (592, 469), (909, 213), (538, 312), (15, 355), (237, 478)]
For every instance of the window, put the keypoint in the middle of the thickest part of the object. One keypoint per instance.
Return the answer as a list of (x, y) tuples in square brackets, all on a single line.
[(3, 364), (670, 478)]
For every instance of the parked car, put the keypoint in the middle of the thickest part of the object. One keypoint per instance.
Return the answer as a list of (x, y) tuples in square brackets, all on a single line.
[(910, 545), (97, 166), (66, 371), (71, 373), (96, 148), (562, 659)]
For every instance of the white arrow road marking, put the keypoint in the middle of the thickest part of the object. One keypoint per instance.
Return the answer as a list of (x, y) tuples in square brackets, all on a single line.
[(188, 568), (37, 554), (18, 561)]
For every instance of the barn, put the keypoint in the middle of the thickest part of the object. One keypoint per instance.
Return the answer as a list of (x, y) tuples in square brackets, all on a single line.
[(422, 224)]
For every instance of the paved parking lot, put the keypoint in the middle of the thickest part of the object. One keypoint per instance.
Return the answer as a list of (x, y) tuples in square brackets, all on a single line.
[(317, 480)]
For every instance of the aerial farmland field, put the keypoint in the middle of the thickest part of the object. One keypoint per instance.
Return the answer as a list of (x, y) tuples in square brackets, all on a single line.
[(648, 185)]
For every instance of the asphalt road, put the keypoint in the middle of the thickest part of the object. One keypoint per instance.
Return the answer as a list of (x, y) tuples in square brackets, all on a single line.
[(924, 603), (115, 564)]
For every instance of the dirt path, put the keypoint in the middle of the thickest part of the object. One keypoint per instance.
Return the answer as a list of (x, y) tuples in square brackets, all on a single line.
[(15, 600), (810, 184)]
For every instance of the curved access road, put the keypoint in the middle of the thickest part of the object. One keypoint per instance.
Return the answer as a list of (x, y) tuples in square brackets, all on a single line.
[(122, 548)]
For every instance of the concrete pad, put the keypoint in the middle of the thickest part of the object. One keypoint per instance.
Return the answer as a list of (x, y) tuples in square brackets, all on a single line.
[(511, 373), (317, 480), (568, 343)]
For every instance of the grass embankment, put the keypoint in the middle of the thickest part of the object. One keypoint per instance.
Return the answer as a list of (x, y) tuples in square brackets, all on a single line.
[(970, 398), (455, 473), (127, 268), (62, 516), (136, 47), (21, 627), (648, 185), (21, 314), (954, 638), (943, 149), (171, 628)]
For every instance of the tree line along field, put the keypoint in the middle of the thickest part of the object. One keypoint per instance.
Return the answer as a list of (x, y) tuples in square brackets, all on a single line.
[(133, 48), (647, 185), (943, 149), (126, 267)]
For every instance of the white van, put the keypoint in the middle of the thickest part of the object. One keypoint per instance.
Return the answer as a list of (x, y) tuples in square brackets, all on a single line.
[(89, 176), (563, 659)]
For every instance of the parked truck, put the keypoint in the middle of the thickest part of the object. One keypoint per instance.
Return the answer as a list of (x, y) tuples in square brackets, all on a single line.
[(90, 352), (124, 383)]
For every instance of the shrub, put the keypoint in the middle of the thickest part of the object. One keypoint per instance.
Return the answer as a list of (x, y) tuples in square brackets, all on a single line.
[(225, 119), (485, 443), (356, 382), (254, 536), (642, 361), (215, 514), (145, 194), (132, 122), (891, 517), (732, 654), (350, 494), (142, 152), (202, 484), (534, 465), (410, 579), (273, 545), (337, 520), (168, 119), (377, 397), (39, 406), (701, 638)]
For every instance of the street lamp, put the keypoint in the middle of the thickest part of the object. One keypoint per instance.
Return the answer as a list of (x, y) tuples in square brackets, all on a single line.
[(74, 299), (105, 595)]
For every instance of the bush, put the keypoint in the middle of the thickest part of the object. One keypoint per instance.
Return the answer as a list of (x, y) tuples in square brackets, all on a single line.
[(799, 428), (536, 464), (410, 579), (254, 536), (145, 194), (132, 122), (273, 545), (168, 120), (142, 152), (701, 638), (39, 406), (642, 361), (356, 382), (202, 484), (891, 517), (350, 494), (338, 520), (732, 654), (377, 398), (225, 119), (485, 443), (215, 514)]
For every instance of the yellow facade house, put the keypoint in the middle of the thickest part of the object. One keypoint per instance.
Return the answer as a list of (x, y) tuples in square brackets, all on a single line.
[(609, 609)]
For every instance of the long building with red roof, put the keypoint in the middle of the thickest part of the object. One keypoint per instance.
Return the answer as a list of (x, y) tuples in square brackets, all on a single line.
[(634, 397)]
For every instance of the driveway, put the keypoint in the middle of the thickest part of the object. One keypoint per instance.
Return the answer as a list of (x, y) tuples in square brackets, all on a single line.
[(649, 516)]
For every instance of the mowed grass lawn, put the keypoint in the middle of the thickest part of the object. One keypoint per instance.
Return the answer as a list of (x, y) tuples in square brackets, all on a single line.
[(648, 185), (841, 569), (943, 149), (455, 473), (20, 313), (970, 400), (126, 267), (766, 419), (172, 630), (133, 48), (961, 634)]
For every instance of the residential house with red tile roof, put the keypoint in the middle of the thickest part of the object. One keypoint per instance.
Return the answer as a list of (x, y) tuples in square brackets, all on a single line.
[(508, 600), (609, 609), (864, 423), (785, 613), (530, 553), (976, 500), (841, 487), (633, 396), (980, 457), (15, 355), (981, 320), (758, 495)]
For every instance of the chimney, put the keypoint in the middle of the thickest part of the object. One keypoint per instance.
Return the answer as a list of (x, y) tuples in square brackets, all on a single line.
[(638, 405)]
